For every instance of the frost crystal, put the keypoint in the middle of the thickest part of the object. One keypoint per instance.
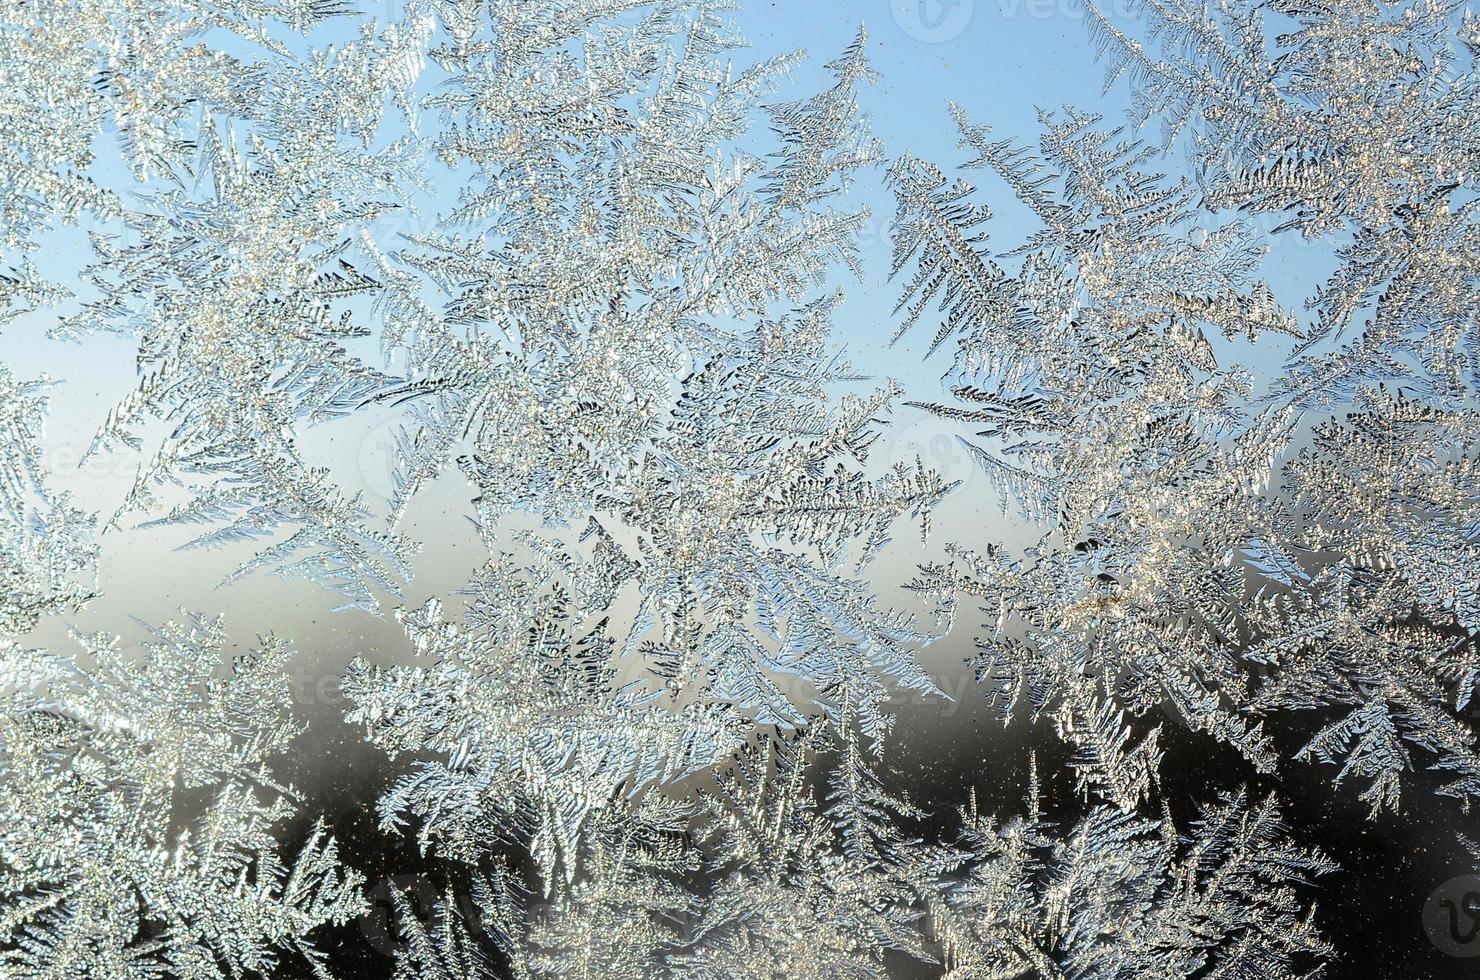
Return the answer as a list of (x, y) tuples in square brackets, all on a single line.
[(45, 543), (1122, 897), (140, 812), (771, 887), (523, 702), (233, 273), (1358, 131), (1103, 416), (588, 362), (1190, 566), (588, 269)]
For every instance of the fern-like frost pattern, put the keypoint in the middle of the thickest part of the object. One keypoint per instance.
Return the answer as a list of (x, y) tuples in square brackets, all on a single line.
[(589, 260)]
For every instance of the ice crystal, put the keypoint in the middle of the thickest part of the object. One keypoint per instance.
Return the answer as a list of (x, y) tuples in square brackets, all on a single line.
[(1354, 129), (768, 886), (46, 544), (600, 264), (139, 838), (1120, 896), (448, 949), (782, 898), (1184, 553), (591, 353), (1359, 122), (1370, 607), (524, 704), (580, 283), (231, 270), (789, 869), (1104, 418)]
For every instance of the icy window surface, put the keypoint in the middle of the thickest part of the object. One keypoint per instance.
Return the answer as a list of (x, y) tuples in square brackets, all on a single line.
[(658, 521)]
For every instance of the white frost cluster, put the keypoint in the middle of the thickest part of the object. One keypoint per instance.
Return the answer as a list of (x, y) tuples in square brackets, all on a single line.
[(592, 269)]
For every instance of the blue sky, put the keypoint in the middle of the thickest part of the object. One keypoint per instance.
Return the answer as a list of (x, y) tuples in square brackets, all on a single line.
[(1001, 60)]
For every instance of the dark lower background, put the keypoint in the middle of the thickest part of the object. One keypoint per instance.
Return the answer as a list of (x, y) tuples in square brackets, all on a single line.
[(1372, 910)]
